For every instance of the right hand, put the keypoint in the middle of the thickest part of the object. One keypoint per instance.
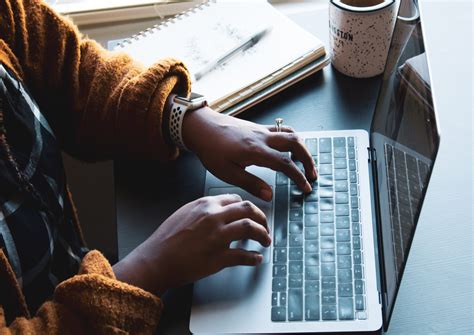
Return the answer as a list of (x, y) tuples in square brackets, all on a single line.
[(194, 243)]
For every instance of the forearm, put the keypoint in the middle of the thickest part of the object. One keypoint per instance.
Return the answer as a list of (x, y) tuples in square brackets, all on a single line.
[(100, 104)]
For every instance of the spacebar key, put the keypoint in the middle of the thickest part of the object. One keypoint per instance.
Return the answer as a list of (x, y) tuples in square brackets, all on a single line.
[(280, 221)]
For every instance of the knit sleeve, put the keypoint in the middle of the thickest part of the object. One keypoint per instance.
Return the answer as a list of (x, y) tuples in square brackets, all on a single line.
[(92, 302), (100, 104)]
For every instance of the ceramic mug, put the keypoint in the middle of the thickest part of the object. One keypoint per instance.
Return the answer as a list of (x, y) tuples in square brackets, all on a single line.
[(360, 34)]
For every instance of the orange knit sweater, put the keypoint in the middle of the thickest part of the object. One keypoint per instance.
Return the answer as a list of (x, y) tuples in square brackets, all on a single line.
[(100, 105)]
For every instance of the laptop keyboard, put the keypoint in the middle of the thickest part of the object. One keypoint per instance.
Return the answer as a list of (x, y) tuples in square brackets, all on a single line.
[(318, 270), (406, 176)]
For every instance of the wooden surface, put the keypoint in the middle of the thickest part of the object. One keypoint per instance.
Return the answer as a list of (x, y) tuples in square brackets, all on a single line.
[(436, 295)]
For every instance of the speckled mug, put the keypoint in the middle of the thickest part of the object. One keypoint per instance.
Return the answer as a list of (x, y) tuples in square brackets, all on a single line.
[(360, 33)]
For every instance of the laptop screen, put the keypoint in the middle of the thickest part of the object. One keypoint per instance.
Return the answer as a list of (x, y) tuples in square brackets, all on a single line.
[(405, 138)]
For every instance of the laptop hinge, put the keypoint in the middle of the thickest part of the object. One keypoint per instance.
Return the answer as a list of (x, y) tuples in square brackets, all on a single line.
[(372, 154)]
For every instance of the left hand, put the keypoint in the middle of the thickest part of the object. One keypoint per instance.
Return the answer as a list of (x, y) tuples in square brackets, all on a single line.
[(227, 145)]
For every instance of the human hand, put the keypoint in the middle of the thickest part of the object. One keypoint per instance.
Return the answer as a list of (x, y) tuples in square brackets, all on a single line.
[(194, 242), (227, 145)]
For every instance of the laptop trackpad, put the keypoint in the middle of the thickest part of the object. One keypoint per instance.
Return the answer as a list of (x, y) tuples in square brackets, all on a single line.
[(266, 207)]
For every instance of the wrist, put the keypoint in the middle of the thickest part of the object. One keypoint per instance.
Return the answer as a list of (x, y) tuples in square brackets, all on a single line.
[(194, 124)]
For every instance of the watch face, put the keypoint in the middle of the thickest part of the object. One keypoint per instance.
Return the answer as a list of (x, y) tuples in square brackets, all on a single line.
[(193, 102), (195, 96)]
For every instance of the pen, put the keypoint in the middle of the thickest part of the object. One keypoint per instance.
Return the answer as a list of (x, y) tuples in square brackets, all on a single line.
[(211, 65)]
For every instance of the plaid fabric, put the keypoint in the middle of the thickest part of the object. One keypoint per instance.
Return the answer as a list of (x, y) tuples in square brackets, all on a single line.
[(36, 229)]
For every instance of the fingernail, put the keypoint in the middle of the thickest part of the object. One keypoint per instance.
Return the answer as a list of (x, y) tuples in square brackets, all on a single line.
[(308, 188), (265, 194), (315, 175), (259, 258)]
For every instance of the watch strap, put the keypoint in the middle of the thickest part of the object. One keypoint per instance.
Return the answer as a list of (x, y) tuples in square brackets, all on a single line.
[(176, 123)]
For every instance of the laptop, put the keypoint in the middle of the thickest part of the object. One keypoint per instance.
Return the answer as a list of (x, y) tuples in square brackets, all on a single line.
[(338, 253)]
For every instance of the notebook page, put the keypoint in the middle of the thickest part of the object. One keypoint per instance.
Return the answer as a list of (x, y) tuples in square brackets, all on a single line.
[(209, 32)]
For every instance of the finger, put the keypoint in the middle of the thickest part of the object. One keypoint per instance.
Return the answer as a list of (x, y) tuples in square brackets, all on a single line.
[(237, 175), (246, 229), (243, 210), (226, 199), (280, 161), (284, 129), (234, 257), (292, 143)]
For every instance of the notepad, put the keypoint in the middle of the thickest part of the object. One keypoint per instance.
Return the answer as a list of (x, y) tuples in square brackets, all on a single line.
[(206, 31)]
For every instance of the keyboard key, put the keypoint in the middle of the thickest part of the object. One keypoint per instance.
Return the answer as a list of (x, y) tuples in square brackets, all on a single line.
[(312, 196), (296, 227), (359, 286), (311, 246), (328, 297), (352, 165), (311, 233), (328, 284), (312, 145), (328, 255), (354, 202), (339, 142), (359, 302), (340, 174), (342, 198), (350, 141), (328, 269), (353, 177), (326, 192), (281, 179), (295, 191), (328, 312), (325, 158), (296, 214), (351, 153), (295, 281), (311, 259), (283, 299), (345, 290), (311, 208), (344, 262), (354, 190), (274, 299), (295, 304), (311, 307), (311, 286), (342, 210), (325, 145), (341, 186), (280, 222), (279, 284), (343, 235), (346, 309), (296, 201), (327, 229), (355, 215), (339, 152), (279, 271), (343, 248), (342, 222), (311, 272), (278, 313), (325, 181), (361, 315), (344, 275), (295, 267), (295, 254), (358, 272), (325, 169), (340, 163), (296, 240), (327, 204), (356, 228), (279, 256), (326, 217), (311, 220), (327, 242), (356, 243)]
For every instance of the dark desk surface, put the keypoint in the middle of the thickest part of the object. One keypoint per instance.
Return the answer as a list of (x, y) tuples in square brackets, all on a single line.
[(147, 193)]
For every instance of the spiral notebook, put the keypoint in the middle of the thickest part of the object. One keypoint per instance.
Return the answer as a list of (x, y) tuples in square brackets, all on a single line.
[(284, 55)]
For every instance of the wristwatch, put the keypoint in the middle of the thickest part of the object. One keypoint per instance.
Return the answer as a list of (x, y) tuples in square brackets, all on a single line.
[(180, 106)]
